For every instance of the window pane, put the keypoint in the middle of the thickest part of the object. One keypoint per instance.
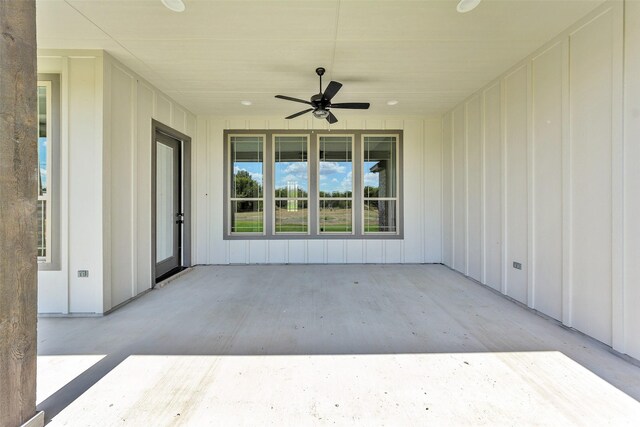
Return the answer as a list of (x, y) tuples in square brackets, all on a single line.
[(246, 216), (291, 216), (380, 166), (246, 159), (165, 206), (336, 166), (379, 216), (42, 228), (335, 216), (42, 140), (291, 166)]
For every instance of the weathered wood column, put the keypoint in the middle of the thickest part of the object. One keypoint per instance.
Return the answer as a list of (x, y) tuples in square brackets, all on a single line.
[(18, 194)]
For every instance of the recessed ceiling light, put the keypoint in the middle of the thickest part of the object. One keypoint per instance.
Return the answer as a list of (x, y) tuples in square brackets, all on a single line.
[(247, 103), (174, 5), (467, 5), (392, 102)]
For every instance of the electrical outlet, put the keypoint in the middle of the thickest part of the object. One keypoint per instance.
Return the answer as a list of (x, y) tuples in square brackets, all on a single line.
[(517, 265), (83, 273)]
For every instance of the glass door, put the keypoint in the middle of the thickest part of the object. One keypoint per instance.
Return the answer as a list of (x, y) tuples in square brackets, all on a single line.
[(169, 216)]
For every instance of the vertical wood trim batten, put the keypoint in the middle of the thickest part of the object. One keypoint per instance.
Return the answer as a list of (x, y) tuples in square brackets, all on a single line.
[(451, 196), (133, 146), (106, 193), (64, 181), (531, 200), (207, 189), (424, 191), (503, 186), (567, 279), (483, 188), (453, 190), (617, 180), (465, 167), (423, 228)]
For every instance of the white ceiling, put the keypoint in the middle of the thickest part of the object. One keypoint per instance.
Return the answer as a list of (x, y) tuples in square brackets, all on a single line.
[(215, 54)]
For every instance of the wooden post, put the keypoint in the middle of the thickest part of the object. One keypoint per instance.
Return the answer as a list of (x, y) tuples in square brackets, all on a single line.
[(18, 195)]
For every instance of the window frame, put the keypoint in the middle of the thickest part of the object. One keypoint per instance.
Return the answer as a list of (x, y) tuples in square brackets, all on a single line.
[(395, 199), (51, 262), (313, 203), (48, 85), (273, 186), (229, 200), (353, 186)]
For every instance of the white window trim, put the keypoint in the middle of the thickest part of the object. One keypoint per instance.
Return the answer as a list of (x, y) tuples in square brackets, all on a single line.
[(396, 199), (273, 185), (230, 199), (47, 197), (313, 203), (353, 187)]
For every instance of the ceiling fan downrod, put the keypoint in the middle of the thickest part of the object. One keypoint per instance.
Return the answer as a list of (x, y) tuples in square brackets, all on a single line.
[(320, 72)]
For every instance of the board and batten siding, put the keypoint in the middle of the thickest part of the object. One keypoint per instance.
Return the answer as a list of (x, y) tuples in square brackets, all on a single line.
[(549, 157), (130, 105), (61, 291), (422, 199), (628, 326), (105, 181)]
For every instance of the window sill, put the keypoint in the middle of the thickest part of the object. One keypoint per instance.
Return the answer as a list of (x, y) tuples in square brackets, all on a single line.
[(378, 236)]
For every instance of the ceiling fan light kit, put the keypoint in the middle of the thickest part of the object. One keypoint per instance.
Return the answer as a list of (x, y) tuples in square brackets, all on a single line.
[(320, 114), (321, 102)]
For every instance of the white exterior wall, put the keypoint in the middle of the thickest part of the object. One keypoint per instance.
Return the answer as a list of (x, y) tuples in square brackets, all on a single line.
[(80, 190), (105, 185), (553, 179), (629, 323), (130, 105), (422, 199)]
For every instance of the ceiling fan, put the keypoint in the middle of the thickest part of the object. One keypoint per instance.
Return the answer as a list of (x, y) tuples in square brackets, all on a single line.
[(321, 102)]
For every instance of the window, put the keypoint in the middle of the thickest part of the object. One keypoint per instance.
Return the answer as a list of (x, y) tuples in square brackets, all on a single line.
[(335, 184), (44, 171), (282, 184), (291, 174), (48, 232), (380, 184), (247, 192)]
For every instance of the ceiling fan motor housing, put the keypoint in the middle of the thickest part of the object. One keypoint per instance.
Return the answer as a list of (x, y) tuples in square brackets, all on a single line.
[(317, 100)]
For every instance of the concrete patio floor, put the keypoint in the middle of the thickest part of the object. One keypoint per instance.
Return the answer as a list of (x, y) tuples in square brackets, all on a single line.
[(328, 345)]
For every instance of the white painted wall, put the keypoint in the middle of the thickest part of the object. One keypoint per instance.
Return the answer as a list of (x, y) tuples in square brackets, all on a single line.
[(553, 179), (422, 204), (80, 184), (628, 326), (130, 105), (105, 190)]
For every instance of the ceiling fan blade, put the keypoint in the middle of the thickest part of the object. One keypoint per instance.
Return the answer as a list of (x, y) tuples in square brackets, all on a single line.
[(331, 118), (331, 90), (352, 105), (288, 98), (293, 116)]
